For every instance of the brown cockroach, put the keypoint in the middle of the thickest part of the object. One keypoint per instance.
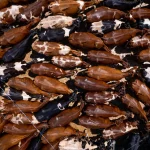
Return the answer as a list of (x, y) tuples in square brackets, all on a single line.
[(20, 118), (2, 123), (50, 48), (104, 13), (138, 41), (32, 11), (105, 111), (134, 105), (8, 15), (65, 117), (104, 57), (120, 36), (23, 144), (68, 61), (27, 85), (87, 40), (91, 84), (9, 140), (50, 70), (117, 131), (105, 73), (24, 106), (56, 133), (139, 13), (103, 97), (94, 123), (51, 85), (144, 55), (70, 8), (14, 36), (23, 128), (142, 91)]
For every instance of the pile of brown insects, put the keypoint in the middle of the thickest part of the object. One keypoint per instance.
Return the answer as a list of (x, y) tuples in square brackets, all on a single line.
[(74, 74)]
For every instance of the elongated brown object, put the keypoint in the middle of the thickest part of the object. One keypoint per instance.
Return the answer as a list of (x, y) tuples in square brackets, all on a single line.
[(25, 84), (117, 131), (94, 123), (91, 84), (120, 36), (23, 128), (144, 55), (14, 36), (104, 13), (134, 105), (105, 73), (142, 91), (9, 140), (3, 121), (51, 85), (24, 106), (65, 117), (56, 133), (50, 48), (105, 111), (87, 40), (20, 118), (103, 97), (49, 70)]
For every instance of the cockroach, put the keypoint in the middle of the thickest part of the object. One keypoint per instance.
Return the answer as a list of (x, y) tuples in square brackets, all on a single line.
[(77, 143), (50, 48), (9, 140), (144, 55), (14, 36), (94, 123), (91, 84), (142, 91), (104, 13), (54, 107), (32, 11), (2, 123), (18, 51), (121, 5), (143, 23), (139, 13), (138, 41), (68, 61), (104, 57), (8, 15), (23, 144), (134, 105), (70, 8), (22, 118), (106, 26), (51, 85), (103, 97), (60, 119), (105, 73), (54, 22), (120, 36), (23, 128), (50, 70), (105, 111), (87, 40), (26, 84), (24, 106), (117, 131), (56, 133)]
